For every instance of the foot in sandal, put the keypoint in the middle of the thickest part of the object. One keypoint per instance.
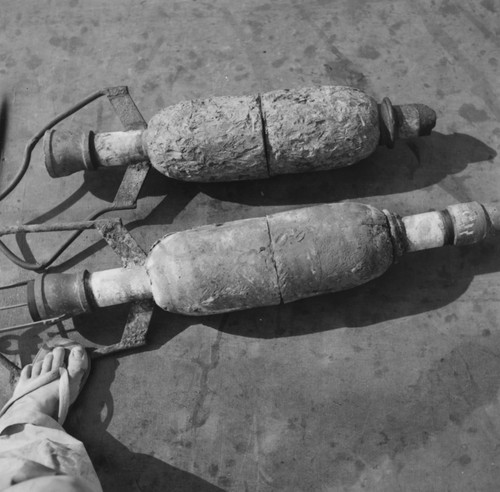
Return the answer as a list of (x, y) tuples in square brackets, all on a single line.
[(54, 380)]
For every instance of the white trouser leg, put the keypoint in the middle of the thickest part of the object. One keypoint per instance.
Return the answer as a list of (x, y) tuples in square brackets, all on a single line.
[(38, 454)]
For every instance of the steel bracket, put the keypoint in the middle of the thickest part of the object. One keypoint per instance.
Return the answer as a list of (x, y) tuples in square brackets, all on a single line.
[(132, 119), (140, 313), (131, 254)]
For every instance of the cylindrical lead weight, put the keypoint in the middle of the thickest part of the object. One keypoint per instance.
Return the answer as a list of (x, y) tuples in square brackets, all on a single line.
[(264, 261), (282, 257), (248, 137)]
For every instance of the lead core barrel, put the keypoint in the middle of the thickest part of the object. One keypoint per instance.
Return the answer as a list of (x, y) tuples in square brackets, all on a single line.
[(247, 137), (264, 261)]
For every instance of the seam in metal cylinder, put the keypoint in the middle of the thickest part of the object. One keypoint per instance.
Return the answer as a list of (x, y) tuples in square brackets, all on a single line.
[(264, 261), (247, 137)]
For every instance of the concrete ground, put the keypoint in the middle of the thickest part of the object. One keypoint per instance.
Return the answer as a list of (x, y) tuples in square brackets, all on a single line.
[(390, 386)]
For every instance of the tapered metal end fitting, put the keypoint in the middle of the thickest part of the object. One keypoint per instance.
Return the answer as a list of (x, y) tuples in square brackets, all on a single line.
[(68, 152)]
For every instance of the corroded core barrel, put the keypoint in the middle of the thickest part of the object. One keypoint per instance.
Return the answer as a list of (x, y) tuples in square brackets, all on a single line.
[(247, 137), (265, 261), (268, 260)]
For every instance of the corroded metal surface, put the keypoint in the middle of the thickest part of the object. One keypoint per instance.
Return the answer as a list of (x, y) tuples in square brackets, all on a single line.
[(53, 227), (121, 242), (131, 254), (125, 108), (136, 328), (131, 185), (139, 316)]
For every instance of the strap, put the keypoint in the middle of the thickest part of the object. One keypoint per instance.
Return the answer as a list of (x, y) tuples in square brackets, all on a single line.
[(64, 395)]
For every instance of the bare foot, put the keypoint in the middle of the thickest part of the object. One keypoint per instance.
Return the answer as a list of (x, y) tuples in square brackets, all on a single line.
[(46, 398)]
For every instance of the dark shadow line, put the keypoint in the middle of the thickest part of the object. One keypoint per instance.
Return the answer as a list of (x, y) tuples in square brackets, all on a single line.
[(21, 238), (4, 125)]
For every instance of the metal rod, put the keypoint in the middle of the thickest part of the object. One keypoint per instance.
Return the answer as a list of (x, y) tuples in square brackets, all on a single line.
[(12, 286), (35, 266), (13, 306), (61, 226), (43, 322)]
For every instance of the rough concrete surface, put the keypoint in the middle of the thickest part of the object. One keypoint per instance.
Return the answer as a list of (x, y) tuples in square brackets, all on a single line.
[(390, 386)]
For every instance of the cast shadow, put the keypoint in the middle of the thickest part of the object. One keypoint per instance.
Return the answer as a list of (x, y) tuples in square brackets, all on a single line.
[(178, 195), (418, 283), (26, 343), (117, 467), (412, 165), (4, 124)]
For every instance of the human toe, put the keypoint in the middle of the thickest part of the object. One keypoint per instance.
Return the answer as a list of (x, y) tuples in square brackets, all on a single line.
[(26, 372), (77, 361), (36, 369), (47, 363), (58, 357)]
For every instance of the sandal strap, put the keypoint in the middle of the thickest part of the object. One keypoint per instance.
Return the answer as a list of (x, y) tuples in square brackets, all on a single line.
[(61, 373), (64, 395)]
